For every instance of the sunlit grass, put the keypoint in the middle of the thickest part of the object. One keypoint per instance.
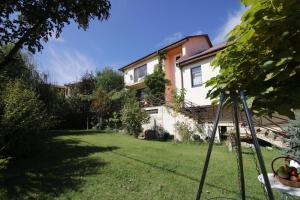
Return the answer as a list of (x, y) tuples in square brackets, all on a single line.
[(90, 165)]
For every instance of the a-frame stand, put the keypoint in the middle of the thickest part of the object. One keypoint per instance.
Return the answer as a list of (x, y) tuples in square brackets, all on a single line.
[(234, 101)]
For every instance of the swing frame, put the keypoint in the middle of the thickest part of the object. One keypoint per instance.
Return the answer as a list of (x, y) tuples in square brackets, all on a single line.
[(234, 102)]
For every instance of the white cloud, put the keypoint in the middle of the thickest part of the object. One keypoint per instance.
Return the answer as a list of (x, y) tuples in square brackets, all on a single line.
[(172, 38), (232, 20), (66, 66)]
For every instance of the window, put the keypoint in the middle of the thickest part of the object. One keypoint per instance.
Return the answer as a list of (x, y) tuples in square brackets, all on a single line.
[(196, 76), (140, 72)]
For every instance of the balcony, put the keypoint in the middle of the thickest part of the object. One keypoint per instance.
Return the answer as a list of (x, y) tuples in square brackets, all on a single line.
[(136, 83)]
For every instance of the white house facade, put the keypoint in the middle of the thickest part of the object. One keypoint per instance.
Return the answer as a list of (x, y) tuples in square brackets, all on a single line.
[(187, 66)]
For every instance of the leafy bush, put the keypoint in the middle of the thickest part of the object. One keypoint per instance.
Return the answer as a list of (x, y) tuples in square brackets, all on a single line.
[(184, 130), (178, 99), (133, 116), (24, 118), (150, 134), (263, 58), (294, 138), (115, 121), (197, 138), (162, 134), (158, 133), (156, 83)]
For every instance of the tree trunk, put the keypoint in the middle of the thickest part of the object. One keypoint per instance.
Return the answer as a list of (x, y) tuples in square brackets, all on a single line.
[(87, 123), (100, 121)]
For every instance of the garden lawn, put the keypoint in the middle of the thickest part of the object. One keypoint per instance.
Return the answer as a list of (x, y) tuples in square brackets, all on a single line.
[(90, 165)]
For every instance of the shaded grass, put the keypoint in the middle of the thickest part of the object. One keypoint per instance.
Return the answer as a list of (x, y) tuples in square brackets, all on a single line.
[(90, 165)]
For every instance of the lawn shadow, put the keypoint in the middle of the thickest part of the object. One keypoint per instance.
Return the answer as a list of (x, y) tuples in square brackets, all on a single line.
[(173, 171), (61, 167), (76, 132)]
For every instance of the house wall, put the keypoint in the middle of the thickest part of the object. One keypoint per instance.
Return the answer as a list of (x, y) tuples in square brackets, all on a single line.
[(198, 94), (129, 73), (194, 45), (167, 118), (171, 71)]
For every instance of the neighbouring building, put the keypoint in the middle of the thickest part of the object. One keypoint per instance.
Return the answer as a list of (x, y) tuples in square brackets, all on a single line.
[(187, 65)]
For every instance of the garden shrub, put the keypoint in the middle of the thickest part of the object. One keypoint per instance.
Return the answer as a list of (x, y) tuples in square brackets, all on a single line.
[(294, 137), (162, 134), (158, 133), (24, 119), (197, 138), (150, 134), (133, 116), (184, 130)]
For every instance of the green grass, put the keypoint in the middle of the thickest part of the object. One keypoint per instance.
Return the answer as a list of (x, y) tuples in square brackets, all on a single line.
[(89, 165)]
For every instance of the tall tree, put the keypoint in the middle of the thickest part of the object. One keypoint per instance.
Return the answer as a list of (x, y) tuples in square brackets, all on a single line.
[(27, 23), (263, 57), (108, 95), (84, 90), (109, 79), (100, 104)]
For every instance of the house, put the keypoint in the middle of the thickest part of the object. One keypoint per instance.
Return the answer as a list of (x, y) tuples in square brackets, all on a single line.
[(187, 65)]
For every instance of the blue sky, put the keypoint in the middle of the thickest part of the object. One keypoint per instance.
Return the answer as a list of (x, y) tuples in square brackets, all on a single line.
[(135, 28)]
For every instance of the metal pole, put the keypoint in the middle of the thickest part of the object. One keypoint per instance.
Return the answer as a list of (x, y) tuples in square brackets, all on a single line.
[(238, 143), (211, 143), (257, 148)]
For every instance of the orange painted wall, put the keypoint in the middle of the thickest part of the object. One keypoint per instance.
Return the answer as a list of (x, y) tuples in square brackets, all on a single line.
[(189, 48), (170, 70)]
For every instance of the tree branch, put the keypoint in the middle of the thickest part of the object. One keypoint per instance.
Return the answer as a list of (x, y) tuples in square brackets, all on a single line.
[(18, 45)]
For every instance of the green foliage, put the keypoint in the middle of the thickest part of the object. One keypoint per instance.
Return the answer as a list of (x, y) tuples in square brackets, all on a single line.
[(16, 69), (184, 130), (24, 118), (294, 138), (109, 79), (27, 23), (108, 96), (74, 113), (156, 82), (178, 99), (133, 116), (99, 105), (263, 57), (100, 101), (86, 85), (114, 121)]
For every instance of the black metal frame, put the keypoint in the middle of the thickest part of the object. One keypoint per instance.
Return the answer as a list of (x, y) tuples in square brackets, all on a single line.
[(234, 100)]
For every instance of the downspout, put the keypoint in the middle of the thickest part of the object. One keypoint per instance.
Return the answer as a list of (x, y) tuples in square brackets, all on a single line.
[(181, 74)]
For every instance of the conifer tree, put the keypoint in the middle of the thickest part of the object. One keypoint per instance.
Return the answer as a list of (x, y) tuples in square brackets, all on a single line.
[(294, 141)]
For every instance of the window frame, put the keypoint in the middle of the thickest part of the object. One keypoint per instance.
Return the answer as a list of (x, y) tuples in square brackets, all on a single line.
[(192, 77), (135, 79)]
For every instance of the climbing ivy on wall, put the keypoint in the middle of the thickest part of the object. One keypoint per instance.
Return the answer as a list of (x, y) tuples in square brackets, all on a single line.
[(156, 83)]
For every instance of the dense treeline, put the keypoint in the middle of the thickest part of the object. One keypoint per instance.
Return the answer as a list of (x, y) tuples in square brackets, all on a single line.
[(25, 111), (29, 105)]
